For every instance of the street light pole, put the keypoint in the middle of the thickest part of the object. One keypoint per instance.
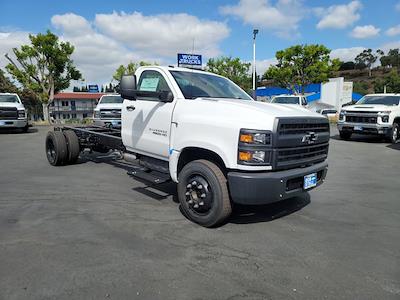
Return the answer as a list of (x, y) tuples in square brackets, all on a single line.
[(255, 31)]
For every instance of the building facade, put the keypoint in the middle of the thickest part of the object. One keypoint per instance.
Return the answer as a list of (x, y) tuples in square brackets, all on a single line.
[(77, 106)]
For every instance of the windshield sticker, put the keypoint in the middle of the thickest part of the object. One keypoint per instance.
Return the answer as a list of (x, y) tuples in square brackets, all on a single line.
[(149, 84)]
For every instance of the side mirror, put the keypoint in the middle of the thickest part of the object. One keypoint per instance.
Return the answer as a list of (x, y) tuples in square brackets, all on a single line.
[(166, 96), (127, 87)]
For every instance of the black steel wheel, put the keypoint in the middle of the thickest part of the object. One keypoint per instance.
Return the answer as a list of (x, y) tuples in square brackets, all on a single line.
[(56, 148), (395, 133), (73, 146), (203, 193)]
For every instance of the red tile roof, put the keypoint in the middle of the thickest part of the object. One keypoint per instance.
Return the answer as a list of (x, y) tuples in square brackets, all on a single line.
[(82, 96)]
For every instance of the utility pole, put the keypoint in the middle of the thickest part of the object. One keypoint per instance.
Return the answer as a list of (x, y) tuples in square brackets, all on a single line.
[(255, 31)]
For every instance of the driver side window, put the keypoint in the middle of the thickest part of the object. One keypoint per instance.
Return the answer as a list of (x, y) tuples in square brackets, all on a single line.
[(152, 81)]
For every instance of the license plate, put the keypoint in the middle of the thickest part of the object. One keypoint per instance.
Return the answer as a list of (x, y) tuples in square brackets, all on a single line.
[(358, 128), (310, 181)]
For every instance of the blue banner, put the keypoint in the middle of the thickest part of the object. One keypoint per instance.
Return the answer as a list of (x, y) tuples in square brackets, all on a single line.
[(189, 60)]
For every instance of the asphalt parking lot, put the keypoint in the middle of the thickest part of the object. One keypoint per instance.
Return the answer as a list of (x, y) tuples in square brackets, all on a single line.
[(89, 231)]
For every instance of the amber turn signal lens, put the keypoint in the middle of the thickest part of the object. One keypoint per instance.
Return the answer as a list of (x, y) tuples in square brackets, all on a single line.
[(245, 156), (246, 138)]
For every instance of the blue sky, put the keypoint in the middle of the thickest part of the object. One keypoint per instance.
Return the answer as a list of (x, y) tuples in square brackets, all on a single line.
[(108, 33)]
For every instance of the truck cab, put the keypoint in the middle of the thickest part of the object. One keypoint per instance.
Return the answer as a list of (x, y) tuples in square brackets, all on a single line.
[(209, 136), (108, 111), (373, 114), (12, 112), (290, 99)]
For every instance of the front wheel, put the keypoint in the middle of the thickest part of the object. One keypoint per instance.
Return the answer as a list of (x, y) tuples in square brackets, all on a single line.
[(395, 133), (203, 193)]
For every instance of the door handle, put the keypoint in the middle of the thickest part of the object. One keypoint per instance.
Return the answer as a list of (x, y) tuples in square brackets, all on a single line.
[(130, 108)]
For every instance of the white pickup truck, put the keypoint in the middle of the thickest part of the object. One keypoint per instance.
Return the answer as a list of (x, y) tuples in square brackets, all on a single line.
[(290, 99), (377, 114), (12, 112), (205, 133), (108, 111)]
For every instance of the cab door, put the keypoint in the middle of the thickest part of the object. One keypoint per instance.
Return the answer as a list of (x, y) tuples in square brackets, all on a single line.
[(146, 122)]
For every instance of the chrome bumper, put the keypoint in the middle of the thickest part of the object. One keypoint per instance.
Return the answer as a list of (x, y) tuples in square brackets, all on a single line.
[(13, 123), (366, 128)]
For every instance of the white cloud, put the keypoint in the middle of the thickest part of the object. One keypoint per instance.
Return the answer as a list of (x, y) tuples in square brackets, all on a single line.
[(9, 40), (282, 18), (395, 30), (338, 16), (165, 34), (346, 54), (264, 64), (364, 32)]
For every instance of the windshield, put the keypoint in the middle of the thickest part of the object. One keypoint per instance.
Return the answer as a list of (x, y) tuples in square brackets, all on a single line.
[(111, 99), (9, 98), (286, 100), (194, 85), (385, 100)]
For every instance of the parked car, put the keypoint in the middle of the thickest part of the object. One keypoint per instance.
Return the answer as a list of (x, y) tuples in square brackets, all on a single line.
[(209, 136), (12, 112), (377, 114), (290, 99), (108, 111)]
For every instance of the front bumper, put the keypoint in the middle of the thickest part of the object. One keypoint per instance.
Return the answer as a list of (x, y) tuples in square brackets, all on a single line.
[(268, 187), (13, 123), (366, 128), (115, 123)]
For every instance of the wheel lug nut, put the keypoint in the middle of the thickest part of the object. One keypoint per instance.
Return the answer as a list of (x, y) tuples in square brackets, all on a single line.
[(200, 186), (187, 194), (201, 203), (194, 183), (196, 206), (190, 201), (202, 195), (189, 186)]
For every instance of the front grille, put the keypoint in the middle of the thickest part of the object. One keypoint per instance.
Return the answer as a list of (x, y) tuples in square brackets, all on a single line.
[(302, 128), (110, 114), (300, 142), (8, 113), (301, 155), (362, 119)]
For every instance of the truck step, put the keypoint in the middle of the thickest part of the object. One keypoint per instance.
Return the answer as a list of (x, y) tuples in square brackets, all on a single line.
[(153, 176)]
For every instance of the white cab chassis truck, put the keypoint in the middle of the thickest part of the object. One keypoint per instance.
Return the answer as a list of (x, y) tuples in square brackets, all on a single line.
[(203, 132), (108, 111), (376, 114), (12, 112)]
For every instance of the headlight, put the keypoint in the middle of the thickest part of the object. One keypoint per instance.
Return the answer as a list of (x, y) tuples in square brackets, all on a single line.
[(254, 147), (96, 114), (21, 113), (342, 114)]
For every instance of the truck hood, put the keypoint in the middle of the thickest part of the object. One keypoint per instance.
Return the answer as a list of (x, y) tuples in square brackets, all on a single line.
[(369, 107), (9, 104), (271, 109), (109, 106)]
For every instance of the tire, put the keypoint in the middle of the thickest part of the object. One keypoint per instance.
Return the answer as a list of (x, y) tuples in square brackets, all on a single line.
[(204, 178), (394, 137), (73, 146), (345, 135), (56, 148), (25, 129)]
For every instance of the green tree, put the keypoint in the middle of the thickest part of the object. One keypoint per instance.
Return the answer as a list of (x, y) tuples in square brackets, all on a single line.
[(6, 86), (129, 69), (360, 87), (232, 68), (391, 81), (44, 67), (367, 58), (391, 59), (301, 65)]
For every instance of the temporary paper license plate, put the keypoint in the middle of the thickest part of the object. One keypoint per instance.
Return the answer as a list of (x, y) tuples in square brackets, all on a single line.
[(310, 181), (357, 128)]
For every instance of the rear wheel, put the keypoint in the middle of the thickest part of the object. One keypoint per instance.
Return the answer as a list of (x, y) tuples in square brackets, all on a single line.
[(395, 133), (345, 135), (203, 193), (73, 146), (56, 148)]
